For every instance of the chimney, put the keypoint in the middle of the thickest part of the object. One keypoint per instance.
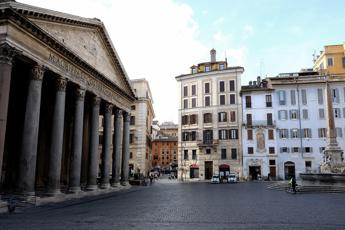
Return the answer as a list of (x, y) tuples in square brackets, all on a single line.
[(258, 80), (254, 83), (250, 83), (213, 55)]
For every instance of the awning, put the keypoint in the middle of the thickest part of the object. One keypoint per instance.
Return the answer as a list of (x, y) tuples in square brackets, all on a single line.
[(224, 167), (194, 166)]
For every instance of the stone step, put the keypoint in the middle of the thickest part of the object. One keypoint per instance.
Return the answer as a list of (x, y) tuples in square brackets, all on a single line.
[(283, 186)]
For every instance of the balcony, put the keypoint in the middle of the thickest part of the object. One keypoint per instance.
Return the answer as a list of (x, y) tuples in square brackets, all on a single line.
[(259, 123), (207, 143)]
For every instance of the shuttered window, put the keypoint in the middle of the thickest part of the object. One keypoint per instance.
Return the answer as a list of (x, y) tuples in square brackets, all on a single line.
[(320, 96), (304, 96), (293, 97)]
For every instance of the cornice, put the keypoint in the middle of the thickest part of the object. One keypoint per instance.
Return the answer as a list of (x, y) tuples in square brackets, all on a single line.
[(18, 16)]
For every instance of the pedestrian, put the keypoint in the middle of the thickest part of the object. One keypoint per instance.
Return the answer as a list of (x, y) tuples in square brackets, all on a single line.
[(293, 184), (151, 178)]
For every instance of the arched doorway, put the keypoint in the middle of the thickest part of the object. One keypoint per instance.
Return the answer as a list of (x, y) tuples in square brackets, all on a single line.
[(224, 171), (289, 169), (194, 171)]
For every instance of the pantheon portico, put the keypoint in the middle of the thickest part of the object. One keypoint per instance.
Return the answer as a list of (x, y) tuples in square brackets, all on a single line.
[(58, 74)]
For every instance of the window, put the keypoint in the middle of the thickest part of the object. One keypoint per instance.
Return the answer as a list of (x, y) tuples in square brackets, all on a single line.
[(282, 114), (284, 149), (232, 99), (132, 120), (232, 85), (283, 133), (304, 96), (306, 133), (222, 117), (337, 113), (329, 61), (293, 97), (308, 165), (131, 138), (269, 119), (221, 66), (282, 97), (308, 149), (222, 99), (294, 133), (193, 119), (130, 155), (207, 87), (250, 134), (194, 70), (207, 101), (295, 149), (305, 114), (321, 113), (193, 90), (272, 162), (233, 134), (185, 91), (192, 135), (221, 86), (207, 117), (248, 101), (185, 120), (322, 132), (223, 154), (268, 101), (293, 114), (133, 107), (223, 134), (193, 102), (232, 116), (335, 95), (343, 60), (233, 154), (185, 154), (249, 119), (339, 132), (207, 68), (270, 134), (208, 137), (250, 150), (185, 136), (271, 150), (185, 103), (321, 66), (320, 96), (193, 154), (208, 151)]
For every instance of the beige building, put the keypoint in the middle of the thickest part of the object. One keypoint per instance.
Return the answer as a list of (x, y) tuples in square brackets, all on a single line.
[(210, 118), (140, 137), (331, 60)]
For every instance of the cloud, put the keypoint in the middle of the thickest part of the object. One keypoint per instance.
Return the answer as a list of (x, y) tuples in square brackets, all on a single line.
[(237, 56), (219, 21), (156, 40), (248, 31)]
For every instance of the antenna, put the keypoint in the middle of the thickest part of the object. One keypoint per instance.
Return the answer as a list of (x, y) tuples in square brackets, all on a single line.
[(226, 58)]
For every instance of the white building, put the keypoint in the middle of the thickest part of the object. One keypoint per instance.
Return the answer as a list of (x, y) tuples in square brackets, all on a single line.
[(258, 131), (210, 118), (300, 113), (142, 115)]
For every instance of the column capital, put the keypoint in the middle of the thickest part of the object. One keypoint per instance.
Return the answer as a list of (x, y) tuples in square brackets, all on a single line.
[(96, 100), (80, 93), (7, 53), (61, 84), (108, 107), (119, 113), (127, 117), (37, 72)]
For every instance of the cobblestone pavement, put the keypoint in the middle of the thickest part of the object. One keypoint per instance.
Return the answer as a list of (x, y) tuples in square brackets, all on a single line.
[(188, 206)]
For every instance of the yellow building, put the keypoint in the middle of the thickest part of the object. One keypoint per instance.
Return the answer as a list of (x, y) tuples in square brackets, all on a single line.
[(331, 60)]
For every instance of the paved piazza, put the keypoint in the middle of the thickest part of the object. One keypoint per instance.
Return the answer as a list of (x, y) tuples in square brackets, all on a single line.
[(247, 205)]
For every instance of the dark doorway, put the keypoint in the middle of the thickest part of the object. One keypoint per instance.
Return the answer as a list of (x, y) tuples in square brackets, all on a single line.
[(255, 172), (289, 170), (208, 169), (224, 171)]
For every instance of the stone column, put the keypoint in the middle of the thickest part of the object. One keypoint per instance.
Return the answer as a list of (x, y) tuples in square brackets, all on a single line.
[(116, 166), (6, 58), (55, 153), (75, 164), (27, 162), (94, 142), (106, 146), (125, 150)]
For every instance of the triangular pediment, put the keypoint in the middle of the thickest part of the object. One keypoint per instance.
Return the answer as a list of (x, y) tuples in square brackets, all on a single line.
[(88, 44)]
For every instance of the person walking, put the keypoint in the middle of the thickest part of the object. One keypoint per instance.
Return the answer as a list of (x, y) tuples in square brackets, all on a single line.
[(293, 184)]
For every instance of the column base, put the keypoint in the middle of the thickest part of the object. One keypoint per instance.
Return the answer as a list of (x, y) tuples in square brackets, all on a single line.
[(54, 192), (104, 186), (74, 190), (91, 187), (124, 183), (115, 184)]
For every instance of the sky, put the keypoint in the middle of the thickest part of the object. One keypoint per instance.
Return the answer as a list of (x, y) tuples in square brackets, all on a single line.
[(161, 39)]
